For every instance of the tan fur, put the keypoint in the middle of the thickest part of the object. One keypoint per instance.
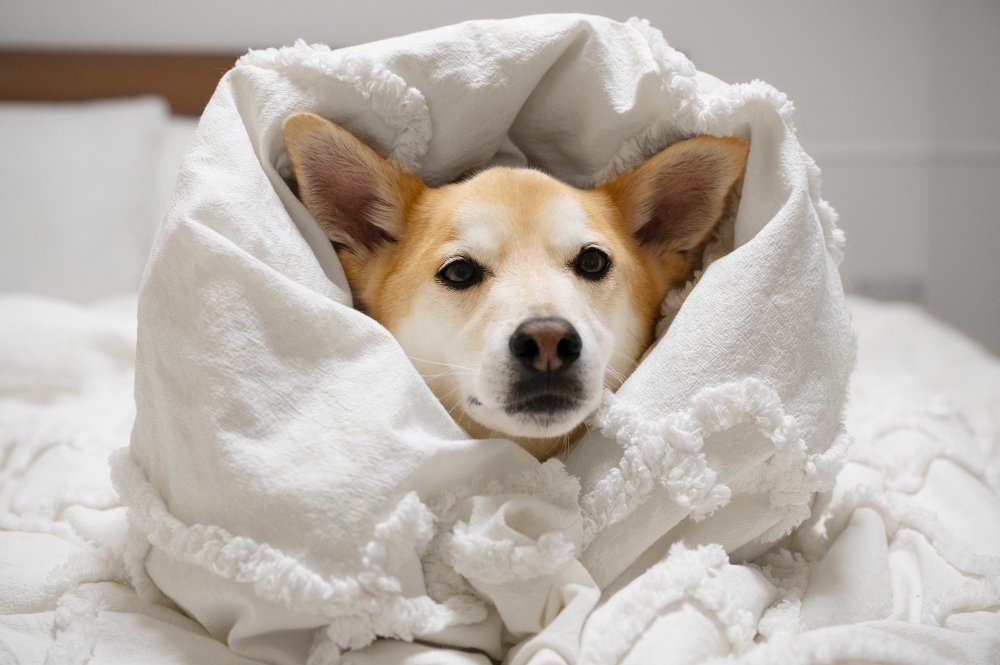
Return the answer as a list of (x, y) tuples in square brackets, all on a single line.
[(526, 229)]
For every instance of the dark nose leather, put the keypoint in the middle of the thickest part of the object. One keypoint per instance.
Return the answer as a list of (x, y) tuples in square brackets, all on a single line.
[(546, 344)]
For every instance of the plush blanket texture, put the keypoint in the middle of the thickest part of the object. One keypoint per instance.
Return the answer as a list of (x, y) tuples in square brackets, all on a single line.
[(297, 491), (899, 565)]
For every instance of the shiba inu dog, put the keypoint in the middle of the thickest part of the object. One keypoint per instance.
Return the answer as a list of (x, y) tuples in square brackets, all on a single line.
[(518, 298)]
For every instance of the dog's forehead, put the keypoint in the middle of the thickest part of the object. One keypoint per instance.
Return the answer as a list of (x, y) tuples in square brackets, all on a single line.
[(522, 215)]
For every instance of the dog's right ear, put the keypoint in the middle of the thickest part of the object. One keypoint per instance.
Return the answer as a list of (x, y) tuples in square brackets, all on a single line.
[(356, 196), (672, 201)]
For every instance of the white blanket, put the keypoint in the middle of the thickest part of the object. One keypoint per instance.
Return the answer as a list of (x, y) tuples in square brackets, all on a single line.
[(294, 487), (291, 474)]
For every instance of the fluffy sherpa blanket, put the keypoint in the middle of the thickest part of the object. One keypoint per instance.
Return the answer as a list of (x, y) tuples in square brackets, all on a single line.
[(294, 486)]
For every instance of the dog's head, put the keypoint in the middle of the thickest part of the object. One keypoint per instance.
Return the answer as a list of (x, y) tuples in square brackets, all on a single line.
[(517, 297)]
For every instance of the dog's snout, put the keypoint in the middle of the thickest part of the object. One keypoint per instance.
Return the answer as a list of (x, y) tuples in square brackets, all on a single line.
[(546, 343)]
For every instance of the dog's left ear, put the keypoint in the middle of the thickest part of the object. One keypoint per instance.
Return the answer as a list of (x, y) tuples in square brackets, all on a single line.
[(673, 200)]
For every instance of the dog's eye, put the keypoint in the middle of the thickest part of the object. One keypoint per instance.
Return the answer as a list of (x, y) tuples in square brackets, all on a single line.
[(460, 273), (592, 263)]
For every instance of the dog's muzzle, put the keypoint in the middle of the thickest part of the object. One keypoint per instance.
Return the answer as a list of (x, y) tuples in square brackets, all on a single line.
[(545, 350)]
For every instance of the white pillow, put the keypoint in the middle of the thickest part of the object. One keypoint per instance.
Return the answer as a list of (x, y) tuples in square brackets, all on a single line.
[(77, 209)]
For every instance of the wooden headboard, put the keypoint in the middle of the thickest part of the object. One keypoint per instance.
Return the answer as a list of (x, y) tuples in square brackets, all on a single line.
[(186, 81)]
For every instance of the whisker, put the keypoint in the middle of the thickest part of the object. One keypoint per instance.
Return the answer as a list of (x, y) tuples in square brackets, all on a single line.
[(451, 372), (435, 362), (614, 372), (443, 396)]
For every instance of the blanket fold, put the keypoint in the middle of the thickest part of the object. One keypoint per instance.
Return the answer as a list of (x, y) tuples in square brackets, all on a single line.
[(295, 487)]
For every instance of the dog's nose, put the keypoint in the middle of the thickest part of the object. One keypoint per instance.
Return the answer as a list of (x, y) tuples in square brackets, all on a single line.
[(546, 343)]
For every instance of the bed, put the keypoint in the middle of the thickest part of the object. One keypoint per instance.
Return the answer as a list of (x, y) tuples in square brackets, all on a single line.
[(899, 563)]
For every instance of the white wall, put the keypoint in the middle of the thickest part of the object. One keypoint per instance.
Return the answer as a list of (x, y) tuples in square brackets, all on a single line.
[(898, 100), (963, 195)]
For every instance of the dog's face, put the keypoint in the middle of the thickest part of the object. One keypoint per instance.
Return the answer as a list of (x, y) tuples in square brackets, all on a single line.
[(517, 297)]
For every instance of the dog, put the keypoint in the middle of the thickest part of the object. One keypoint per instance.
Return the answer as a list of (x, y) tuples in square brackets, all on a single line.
[(519, 299)]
